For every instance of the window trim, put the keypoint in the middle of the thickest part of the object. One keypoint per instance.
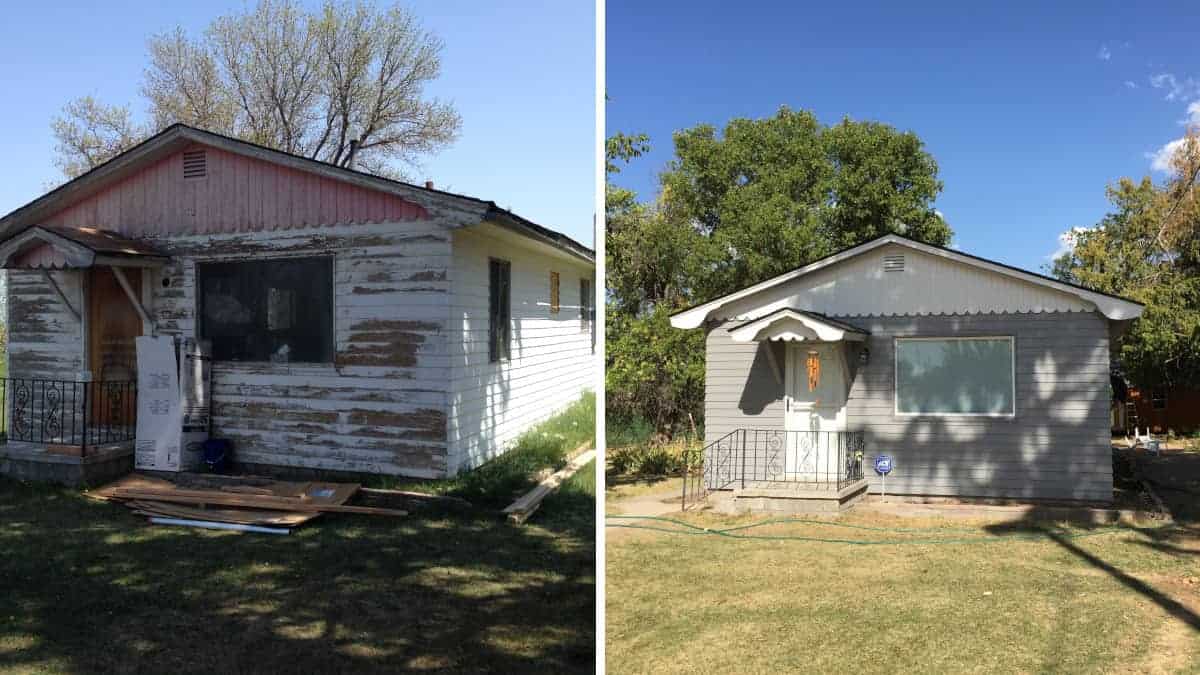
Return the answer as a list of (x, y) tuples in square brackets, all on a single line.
[(896, 375), (1155, 398), (555, 292), (495, 353), (333, 307)]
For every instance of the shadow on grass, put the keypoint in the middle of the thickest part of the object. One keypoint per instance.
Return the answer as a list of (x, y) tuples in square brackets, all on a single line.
[(88, 587)]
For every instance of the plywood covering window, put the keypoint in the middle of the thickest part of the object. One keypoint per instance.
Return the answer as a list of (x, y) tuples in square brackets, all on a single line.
[(554, 301), (499, 309), (268, 310), (955, 376)]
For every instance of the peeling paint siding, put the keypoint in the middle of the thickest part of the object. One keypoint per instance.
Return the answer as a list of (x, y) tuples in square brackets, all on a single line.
[(44, 339), (552, 361), (382, 406), (239, 194)]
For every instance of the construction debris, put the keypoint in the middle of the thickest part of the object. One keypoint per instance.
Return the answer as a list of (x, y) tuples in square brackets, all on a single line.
[(519, 511), (242, 503)]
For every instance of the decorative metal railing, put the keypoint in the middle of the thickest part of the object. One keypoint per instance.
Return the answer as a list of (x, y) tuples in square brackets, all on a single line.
[(63, 412), (750, 457)]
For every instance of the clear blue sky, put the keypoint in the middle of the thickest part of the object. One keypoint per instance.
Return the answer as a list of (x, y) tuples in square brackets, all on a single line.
[(521, 75), (1030, 110)]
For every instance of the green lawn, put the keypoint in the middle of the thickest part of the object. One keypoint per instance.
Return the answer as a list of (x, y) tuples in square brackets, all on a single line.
[(1034, 599), (86, 586)]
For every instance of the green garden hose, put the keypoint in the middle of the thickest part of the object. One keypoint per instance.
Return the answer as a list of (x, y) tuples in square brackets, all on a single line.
[(738, 532)]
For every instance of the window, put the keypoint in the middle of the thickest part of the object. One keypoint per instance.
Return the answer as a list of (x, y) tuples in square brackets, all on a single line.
[(587, 315), (268, 310), (499, 317), (554, 304), (1158, 399), (954, 376)]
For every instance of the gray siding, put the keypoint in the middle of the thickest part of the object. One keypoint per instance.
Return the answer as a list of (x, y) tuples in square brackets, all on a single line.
[(1056, 446)]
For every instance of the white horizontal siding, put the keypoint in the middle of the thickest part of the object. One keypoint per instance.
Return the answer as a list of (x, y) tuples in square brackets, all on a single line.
[(551, 354)]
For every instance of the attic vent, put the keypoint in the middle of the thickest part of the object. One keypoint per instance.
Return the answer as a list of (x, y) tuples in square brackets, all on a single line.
[(893, 263), (195, 164)]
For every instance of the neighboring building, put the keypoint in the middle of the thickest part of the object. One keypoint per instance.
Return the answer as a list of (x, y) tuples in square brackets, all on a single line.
[(358, 324), (977, 378), (1161, 410)]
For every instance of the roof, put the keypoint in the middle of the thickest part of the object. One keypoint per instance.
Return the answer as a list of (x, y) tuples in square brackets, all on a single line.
[(472, 210), (40, 247), (1112, 306)]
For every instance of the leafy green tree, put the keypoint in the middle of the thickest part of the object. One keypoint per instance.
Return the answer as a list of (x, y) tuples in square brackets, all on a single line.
[(773, 194), (764, 197), (1148, 249)]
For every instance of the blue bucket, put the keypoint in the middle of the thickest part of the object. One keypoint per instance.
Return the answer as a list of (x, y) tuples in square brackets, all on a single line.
[(216, 454)]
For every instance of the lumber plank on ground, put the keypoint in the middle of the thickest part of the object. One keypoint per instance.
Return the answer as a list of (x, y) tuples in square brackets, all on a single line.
[(248, 501), (519, 511)]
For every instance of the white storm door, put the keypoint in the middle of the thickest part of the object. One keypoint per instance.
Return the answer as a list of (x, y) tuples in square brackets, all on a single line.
[(813, 410)]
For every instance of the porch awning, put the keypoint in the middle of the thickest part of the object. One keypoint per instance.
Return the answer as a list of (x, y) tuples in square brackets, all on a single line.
[(794, 325), (58, 248)]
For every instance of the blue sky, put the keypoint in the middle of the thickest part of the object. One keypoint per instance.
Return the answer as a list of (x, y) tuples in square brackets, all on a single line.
[(1030, 110), (521, 75)]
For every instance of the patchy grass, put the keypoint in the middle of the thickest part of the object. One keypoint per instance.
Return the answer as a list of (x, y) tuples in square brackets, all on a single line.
[(1039, 600), (89, 587), (624, 488), (503, 479)]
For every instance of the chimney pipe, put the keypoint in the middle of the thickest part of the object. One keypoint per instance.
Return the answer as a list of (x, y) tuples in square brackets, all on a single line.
[(428, 185), (353, 151)]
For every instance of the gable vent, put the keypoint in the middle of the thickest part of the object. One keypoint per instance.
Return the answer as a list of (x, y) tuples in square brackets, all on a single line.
[(195, 164), (893, 263)]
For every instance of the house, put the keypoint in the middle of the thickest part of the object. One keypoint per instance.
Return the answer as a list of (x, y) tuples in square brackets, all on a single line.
[(1161, 410), (357, 324), (977, 379)]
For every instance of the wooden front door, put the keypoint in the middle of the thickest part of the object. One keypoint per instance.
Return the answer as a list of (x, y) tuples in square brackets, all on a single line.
[(113, 324)]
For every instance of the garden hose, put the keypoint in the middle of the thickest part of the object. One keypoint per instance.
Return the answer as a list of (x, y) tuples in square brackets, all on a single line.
[(738, 532)]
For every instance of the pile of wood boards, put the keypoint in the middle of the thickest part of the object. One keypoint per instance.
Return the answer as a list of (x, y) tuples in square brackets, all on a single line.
[(234, 503)]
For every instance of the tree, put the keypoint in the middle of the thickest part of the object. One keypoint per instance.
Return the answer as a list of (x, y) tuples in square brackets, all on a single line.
[(772, 194), (344, 84), (767, 196), (90, 133), (1148, 249)]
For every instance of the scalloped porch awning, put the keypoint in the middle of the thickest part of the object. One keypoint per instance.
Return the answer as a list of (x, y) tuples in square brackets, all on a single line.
[(62, 248), (792, 325)]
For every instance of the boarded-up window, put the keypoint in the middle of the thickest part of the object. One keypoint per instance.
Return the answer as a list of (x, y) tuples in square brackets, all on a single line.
[(268, 310), (554, 304), (499, 315)]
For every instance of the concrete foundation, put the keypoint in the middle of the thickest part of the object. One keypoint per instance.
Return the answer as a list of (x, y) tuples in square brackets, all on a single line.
[(32, 462), (789, 498)]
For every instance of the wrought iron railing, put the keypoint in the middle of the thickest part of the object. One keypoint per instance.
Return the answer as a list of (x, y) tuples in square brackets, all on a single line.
[(750, 457), (63, 412)]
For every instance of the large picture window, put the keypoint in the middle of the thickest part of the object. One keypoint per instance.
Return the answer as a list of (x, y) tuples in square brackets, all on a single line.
[(955, 376), (268, 310)]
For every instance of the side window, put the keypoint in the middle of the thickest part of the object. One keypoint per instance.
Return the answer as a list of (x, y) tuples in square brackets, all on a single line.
[(587, 314), (499, 309)]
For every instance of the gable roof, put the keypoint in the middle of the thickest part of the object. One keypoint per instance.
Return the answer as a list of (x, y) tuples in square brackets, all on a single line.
[(465, 209), (1112, 306)]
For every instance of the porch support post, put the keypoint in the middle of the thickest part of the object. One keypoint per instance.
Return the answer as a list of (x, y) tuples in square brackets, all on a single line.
[(61, 296), (137, 302)]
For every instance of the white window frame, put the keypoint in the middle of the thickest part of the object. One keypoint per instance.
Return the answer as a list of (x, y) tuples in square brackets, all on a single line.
[(1012, 346)]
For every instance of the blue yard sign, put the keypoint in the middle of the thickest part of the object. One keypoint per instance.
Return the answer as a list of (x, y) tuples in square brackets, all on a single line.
[(883, 464)]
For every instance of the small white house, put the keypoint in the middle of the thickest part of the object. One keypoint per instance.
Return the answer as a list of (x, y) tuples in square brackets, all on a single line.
[(357, 324)]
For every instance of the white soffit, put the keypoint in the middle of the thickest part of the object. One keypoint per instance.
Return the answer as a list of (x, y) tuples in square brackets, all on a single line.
[(867, 280)]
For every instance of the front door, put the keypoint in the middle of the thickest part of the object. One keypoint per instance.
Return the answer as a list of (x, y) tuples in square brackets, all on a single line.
[(815, 410), (112, 325)]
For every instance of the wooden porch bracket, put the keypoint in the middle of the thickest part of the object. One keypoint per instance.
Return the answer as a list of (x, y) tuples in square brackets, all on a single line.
[(62, 296), (137, 302)]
